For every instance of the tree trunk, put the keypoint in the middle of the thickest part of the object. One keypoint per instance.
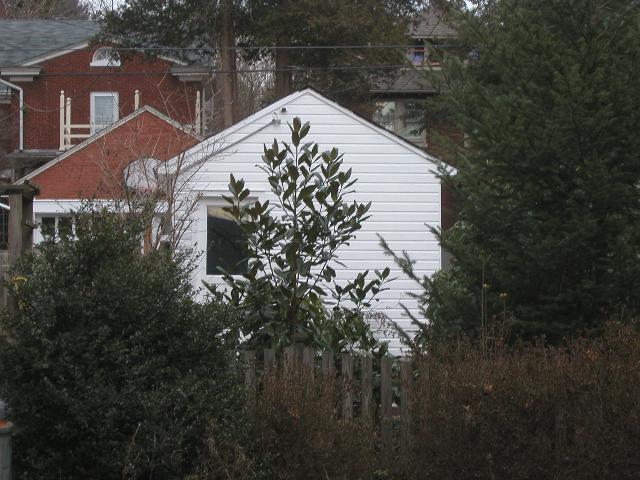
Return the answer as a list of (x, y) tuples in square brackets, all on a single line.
[(228, 77), (283, 73)]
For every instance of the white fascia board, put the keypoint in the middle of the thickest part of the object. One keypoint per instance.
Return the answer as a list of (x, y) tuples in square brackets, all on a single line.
[(56, 206), (80, 46)]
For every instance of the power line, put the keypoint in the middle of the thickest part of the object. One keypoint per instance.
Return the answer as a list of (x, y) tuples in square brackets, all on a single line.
[(238, 47), (246, 70)]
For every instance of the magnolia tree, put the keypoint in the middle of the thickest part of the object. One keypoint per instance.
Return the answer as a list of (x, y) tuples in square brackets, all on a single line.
[(289, 290)]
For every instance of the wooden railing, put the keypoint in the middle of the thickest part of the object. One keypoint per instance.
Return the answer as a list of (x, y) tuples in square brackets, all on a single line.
[(69, 132)]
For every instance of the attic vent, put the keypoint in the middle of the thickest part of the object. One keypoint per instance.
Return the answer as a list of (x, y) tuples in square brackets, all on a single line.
[(142, 175)]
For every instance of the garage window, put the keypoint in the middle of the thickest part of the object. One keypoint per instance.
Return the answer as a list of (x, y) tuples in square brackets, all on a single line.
[(225, 243)]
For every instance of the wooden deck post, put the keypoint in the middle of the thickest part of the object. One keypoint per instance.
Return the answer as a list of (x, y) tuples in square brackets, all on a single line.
[(62, 122), (198, 122), (21, 224), (67, 124)]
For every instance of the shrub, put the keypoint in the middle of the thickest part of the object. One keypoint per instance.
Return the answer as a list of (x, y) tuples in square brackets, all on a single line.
[(110, 369), (291, 289), (530, 411)]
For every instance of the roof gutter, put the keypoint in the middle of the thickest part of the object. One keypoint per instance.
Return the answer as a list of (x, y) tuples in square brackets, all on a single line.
[(11, 85)]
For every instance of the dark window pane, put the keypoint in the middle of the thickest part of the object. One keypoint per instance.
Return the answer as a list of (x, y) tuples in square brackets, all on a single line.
[(385, 115), (413, 119), (224, 246), (48, 226), (65, 226)]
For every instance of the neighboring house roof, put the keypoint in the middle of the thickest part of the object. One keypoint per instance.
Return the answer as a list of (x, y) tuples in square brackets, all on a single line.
[(106, 131), (431, 26), (218, 143), (409, 81), (24, 40)]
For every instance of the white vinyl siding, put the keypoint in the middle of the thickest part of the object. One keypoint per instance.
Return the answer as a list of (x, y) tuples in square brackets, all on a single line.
[(104, 110), (398, 180)]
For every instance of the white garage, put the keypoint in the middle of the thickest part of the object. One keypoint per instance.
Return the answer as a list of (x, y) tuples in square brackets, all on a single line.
[(396, 176)]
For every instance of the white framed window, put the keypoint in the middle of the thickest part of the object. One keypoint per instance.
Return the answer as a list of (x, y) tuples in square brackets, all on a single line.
[(105, 57), (104, 110), (404, 117), (51, 225)]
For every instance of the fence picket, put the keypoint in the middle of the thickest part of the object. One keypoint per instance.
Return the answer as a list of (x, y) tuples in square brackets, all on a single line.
[(308, 359), (405, 389), (250, 376), (269, 359), (386, 399), (289, 360), (367, 386), (347, 386), (328, 365)]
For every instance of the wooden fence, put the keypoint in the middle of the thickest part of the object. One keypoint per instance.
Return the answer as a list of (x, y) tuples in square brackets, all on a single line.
[(383, 396)]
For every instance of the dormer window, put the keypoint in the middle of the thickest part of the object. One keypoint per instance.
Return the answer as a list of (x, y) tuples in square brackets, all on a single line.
[(105, 57)]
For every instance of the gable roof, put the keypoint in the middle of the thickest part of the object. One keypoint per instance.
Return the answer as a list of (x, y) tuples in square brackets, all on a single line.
[(24, 40), (431, 25), (104, 132), (206, 148)]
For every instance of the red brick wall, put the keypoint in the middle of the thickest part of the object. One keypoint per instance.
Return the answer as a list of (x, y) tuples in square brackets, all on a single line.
[(444, 129), (6, 137), (157, 88), (96, 171)]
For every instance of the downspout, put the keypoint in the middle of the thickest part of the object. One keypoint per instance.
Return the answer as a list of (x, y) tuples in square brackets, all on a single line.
[(11, 85)]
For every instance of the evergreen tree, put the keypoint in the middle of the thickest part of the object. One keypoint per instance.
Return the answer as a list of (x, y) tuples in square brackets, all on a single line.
[(43, 9), (548, 233), (282, 23)]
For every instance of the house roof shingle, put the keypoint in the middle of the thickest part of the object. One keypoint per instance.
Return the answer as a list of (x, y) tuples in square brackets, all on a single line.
[(431, 25), (407, 81), (23, 40)]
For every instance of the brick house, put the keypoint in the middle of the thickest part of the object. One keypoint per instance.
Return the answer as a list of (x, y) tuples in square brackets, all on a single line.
[(58, 87), (123, 155)]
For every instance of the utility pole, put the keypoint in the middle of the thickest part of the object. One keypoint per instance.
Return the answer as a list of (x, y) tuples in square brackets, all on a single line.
[(283, 75), (228, 77)]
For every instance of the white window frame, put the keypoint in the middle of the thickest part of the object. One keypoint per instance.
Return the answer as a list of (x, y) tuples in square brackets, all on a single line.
[(199, 227), (39, 237), (112, 60), (96, 127), (398, 127)]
